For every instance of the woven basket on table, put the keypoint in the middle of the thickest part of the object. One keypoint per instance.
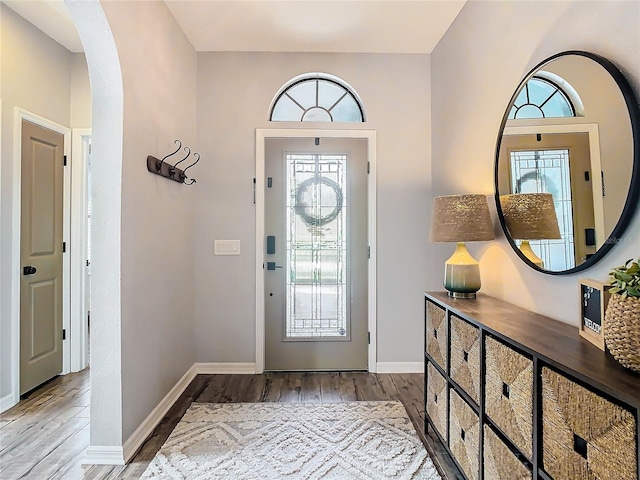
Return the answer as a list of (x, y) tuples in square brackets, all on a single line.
[(509, 393), (437, 401), (437, 334), (464, 435), (465, 356), (584, 436), (622, 332), (499, 462)]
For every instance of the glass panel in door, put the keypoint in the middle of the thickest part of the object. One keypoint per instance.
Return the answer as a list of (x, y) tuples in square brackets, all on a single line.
[(316, 249)]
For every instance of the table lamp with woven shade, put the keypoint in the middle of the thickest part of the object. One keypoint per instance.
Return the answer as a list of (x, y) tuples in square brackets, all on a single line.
[(530, 216), (460, 219)]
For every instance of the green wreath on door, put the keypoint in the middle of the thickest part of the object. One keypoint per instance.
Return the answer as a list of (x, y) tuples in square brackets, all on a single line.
[(302, 208)]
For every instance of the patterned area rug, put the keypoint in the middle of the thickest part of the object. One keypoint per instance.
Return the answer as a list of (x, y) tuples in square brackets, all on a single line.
[(302, 441)]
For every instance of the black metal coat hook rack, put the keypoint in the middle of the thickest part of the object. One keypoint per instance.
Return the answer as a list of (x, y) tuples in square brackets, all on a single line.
[(172, 172)]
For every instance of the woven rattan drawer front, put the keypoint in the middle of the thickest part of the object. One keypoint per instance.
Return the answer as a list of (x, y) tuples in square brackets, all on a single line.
[(509, 393), (499, 462), (583, 434), (437, 401), (465, 356), (464, 435), (436, 332)]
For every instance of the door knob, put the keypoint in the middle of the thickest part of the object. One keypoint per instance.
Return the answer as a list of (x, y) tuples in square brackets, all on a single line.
[(272, 266), (28, 270)]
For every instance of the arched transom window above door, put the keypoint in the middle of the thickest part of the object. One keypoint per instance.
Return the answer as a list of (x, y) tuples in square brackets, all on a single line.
[(316, 97), (546, 95)]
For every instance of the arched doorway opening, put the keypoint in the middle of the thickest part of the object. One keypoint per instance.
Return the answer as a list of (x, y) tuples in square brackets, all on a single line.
[(107, 139)]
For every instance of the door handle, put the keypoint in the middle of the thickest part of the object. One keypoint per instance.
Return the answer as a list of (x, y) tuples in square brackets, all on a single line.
[(272, 266), (28, 270)]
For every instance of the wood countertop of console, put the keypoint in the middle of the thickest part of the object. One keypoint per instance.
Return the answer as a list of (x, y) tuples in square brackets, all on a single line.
[(557, 343)]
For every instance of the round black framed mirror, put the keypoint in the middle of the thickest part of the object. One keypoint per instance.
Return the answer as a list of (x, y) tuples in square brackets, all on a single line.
[(567, 162)]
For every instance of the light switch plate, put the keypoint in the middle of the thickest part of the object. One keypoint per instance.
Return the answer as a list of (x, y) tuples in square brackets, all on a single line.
[(226, 247)]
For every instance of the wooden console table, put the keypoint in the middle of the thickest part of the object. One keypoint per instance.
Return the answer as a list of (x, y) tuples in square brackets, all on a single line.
[(516, 395)]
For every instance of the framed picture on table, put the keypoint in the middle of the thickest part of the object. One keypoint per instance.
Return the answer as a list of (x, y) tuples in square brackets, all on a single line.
[(594, 296)]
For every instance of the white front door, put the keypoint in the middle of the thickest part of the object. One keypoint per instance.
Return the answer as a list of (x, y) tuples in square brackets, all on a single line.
[(316, 254)]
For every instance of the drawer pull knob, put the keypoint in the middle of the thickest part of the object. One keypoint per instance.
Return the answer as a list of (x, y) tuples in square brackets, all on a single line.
[(462, 434), (435, 398), (505, 390), (466, 356), (435, 333), (580, 446)]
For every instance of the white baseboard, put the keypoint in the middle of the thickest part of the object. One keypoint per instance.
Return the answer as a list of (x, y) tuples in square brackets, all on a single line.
[(135, 441), (400, 367), (225, 368), (103, 456), (7, 402), (121, 455)]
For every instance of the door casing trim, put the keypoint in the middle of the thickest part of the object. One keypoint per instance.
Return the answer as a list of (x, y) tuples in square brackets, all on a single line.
[(261, 136), (21, 114), (79, 240)]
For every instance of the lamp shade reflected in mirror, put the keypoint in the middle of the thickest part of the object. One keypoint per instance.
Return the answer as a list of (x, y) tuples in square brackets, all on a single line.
[(570, 131), (531, 218)]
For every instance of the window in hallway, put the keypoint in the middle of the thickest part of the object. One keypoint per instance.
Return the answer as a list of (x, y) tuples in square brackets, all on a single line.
[(316, 97), (542, 98)]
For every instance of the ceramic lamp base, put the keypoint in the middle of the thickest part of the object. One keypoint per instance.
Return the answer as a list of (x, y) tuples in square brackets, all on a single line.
[(462, 273), (525, 248)]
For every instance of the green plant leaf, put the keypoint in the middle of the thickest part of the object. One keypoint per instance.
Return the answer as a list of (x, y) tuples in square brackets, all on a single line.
[(625, 277), (625, 280), (634, 292)]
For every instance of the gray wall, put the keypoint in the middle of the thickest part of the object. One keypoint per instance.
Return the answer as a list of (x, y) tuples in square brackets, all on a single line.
[(475, 69), (234, 94), (159, 84)]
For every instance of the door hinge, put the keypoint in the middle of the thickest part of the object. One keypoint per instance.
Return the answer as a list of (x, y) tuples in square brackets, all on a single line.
[(254, 190), (368, 252), (369, 338), (64, 247), (64, 333), (368, 167), (65, 160)]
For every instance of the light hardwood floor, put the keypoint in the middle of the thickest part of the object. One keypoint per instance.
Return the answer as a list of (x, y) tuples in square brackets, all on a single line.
[(45, 435)]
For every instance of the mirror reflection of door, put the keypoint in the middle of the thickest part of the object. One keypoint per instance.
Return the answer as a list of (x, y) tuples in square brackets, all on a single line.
[(41, 255), (316, 261), (560, 164)]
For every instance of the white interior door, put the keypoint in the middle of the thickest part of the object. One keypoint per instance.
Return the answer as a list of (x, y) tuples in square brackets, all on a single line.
[(316, 254), (41, 255)]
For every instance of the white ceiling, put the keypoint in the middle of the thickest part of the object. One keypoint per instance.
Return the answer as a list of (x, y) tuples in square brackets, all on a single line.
[(355, 26)]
